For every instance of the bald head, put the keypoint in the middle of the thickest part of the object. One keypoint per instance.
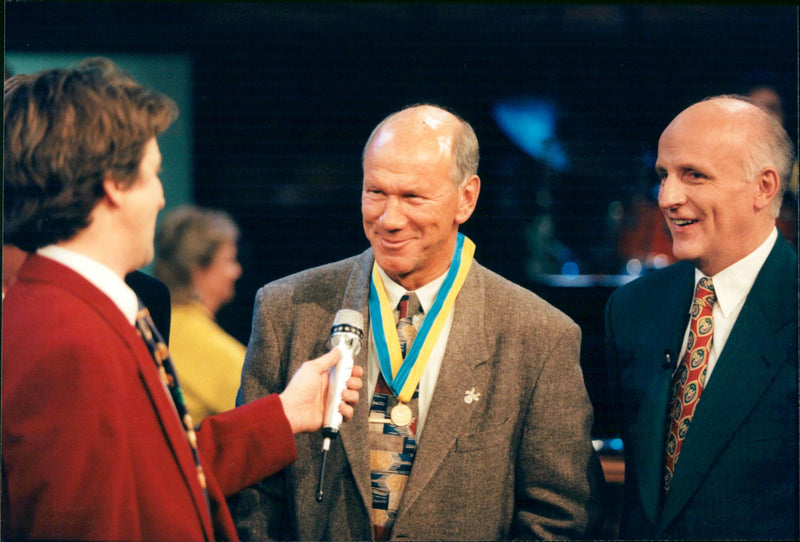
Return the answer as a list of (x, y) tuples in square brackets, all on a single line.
[(419, 186), (723, 164), (736, 123), (726, 116), (435, 132)]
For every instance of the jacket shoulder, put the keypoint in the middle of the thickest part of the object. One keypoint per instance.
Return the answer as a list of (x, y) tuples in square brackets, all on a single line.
[(325, 277), (655, 283), (515, 303)]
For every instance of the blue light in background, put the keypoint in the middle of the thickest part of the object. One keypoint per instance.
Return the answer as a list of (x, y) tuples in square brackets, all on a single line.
[(530, 123), (570, 269)]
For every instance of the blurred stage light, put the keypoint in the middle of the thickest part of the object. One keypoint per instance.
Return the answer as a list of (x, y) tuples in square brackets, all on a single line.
[(530, 123)]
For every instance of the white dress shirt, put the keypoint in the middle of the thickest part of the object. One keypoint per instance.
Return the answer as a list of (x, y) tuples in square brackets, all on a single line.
[(731, 286), (106, 280), (427, 382)]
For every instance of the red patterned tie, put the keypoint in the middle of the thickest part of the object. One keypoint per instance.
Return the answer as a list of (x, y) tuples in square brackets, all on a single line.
[(688, 381)]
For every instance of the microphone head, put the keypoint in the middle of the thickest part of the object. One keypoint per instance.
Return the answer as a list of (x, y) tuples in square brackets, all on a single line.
[(348, 320)]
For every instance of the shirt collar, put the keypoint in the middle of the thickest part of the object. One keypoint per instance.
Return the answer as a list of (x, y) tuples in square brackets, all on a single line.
[(102, 277), (733, 283), (426, 294)]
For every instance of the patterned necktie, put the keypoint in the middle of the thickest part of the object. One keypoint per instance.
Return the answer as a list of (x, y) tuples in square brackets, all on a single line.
[(409, 306), (392, 447), (690, 378), (166, 371)]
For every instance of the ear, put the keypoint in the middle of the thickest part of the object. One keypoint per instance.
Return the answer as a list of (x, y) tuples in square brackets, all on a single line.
[(767, 185), (113, 191), (468, 198)]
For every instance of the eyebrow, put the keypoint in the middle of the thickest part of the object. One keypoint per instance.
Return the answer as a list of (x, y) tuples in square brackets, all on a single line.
[(683, 168)]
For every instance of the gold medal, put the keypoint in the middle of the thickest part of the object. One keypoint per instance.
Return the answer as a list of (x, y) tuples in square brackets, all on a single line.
[(401, 415)]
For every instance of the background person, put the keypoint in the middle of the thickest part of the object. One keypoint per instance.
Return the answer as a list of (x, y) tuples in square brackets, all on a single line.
[(766, 96), (196, 258), (704, 353)]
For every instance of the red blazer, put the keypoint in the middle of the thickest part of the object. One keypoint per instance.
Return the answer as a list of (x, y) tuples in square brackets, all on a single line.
[(91, 445)]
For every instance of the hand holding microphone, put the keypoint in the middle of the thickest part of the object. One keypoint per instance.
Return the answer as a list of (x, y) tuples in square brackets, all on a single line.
[(304, 399)]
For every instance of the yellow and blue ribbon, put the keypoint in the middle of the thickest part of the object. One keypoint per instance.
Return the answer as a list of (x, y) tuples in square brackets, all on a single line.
[(402, 375)]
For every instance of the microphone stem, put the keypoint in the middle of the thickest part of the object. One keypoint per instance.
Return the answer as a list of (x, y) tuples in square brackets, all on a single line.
[(326, 445)]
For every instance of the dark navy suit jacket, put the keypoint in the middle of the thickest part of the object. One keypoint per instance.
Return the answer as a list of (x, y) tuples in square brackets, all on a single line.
[(155, 296), (737, 476)]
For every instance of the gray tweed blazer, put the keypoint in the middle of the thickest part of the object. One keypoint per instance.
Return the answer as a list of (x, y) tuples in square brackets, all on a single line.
[(517, 463)]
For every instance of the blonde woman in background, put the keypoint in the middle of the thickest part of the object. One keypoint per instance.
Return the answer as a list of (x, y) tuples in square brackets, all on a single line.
[(196, 257)]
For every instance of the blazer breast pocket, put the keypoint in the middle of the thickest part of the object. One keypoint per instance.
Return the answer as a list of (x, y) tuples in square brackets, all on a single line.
[(494, 436)]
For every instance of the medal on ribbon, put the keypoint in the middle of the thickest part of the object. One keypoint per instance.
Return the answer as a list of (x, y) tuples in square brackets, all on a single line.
[(402, 375)]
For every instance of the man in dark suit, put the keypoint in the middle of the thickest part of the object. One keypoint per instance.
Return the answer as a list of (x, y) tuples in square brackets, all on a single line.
[(155, 296), (707, 381), (495, 439), (95, 441)]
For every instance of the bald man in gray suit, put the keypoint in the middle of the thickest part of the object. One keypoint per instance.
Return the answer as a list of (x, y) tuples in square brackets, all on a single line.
[(498, 443)]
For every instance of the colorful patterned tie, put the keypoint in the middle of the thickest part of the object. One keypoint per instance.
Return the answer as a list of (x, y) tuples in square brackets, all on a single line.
[(160, 353), (690, 378), (409, 306), (392, 447)]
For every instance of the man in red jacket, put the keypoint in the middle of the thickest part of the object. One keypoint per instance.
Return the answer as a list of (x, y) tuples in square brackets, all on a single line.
[(93, 447)]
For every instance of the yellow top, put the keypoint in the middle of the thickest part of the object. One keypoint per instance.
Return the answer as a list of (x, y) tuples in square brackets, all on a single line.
[(208, 361)]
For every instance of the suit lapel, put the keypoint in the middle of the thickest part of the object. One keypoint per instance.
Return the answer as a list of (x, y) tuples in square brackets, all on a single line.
[(171, 426), (745, 368), (652, 382), (354, 434), (465, 351)]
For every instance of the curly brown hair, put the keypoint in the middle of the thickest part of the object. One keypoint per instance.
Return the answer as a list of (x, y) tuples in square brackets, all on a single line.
[(65, 131)]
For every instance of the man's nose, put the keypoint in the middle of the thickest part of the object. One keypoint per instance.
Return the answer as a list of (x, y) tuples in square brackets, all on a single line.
[(393, 216), (670, 193)]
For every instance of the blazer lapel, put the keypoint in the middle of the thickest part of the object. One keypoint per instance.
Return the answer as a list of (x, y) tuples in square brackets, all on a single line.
[(354, 434), (464, 353), (652, 382), (745, 368), (173, 430)]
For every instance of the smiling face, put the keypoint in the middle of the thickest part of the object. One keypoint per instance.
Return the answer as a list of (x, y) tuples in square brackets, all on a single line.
[(410, 205), (716, 215)]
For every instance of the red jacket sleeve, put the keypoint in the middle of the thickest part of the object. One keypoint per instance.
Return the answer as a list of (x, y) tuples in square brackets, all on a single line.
[(242, 446)]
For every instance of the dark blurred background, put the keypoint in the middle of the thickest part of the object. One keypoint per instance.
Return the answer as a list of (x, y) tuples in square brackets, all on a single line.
[(568, 102)]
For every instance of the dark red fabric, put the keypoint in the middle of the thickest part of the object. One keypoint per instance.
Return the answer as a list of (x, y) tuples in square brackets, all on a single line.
[(92, 447)]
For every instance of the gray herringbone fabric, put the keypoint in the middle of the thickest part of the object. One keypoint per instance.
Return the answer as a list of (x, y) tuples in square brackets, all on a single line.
[(515, 463)]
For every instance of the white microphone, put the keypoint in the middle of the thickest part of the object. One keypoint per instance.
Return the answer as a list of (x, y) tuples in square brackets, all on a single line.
[(346, 335)]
